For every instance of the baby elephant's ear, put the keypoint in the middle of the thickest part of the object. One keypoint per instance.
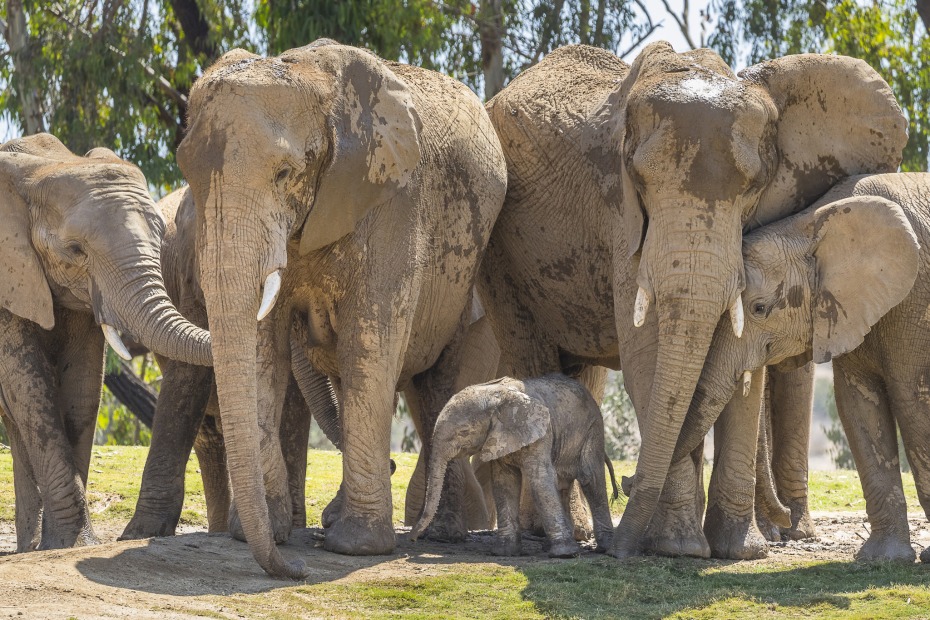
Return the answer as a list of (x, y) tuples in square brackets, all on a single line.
[(866, 257), (518, 422)]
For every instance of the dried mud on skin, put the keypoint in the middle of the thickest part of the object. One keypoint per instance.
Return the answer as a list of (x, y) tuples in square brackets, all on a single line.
[(182, 576)]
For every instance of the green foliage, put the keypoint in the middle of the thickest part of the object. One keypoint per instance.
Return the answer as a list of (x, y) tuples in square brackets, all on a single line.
[(888, 34), (621, 433), (116, 425)]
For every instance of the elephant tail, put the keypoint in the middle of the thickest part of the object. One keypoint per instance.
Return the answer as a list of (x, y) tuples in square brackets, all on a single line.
[(433, 492), (613, 477), (766, 496)]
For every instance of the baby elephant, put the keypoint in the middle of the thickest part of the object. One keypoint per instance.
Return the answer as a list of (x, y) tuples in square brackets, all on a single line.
[(548, 428)]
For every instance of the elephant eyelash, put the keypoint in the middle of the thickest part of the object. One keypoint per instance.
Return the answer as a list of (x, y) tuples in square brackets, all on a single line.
[(75, 250)]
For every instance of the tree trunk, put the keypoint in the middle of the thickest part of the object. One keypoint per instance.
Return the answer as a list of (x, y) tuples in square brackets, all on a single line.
[(491, 31), (132, 392), (923, 9), (17, 38)]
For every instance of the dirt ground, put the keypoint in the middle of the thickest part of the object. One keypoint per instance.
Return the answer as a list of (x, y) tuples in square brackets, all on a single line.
[(182, 576)]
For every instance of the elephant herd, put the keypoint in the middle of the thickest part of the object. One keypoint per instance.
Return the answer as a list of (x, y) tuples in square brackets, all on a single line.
[(354, 228)]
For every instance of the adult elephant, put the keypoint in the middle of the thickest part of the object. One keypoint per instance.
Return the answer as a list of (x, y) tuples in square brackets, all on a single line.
[(360, 193), (629, 189), (187, 416), (80, 247)]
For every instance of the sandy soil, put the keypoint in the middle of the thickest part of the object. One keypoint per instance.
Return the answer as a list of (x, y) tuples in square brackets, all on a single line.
[(180, 576)]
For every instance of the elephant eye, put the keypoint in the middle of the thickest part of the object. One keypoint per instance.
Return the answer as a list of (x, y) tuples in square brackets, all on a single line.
[(758, 308), (75, 251), (282, 176)]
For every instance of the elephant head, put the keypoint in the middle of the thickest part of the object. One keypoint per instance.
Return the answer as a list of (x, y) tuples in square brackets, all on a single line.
[(816, 283), (84, 233), (704, 155), (284, 153), (490, 420)]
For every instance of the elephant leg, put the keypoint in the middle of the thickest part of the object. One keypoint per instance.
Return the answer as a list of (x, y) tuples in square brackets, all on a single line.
[(862, 405), (541, 477), (28, 379), (792, 396), (273, 373), (80, 377), (505, 483), (730, 525), (179, 411), (28, 499), (295, 433), (483, 478), (594, 485), (211, 456), (913, 416)]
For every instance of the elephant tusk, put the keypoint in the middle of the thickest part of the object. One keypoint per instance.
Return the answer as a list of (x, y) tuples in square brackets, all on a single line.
[(113, 339), (747, 383), (640, 307), (269, 294), (736, 316)]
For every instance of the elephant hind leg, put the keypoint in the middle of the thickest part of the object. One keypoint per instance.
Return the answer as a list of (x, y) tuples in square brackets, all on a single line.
[(211, 455)]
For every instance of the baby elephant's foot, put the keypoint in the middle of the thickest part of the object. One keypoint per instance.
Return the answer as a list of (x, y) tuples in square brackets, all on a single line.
[(603, 541), (564, 549), (925, 556), (506, 546), (887, 547)]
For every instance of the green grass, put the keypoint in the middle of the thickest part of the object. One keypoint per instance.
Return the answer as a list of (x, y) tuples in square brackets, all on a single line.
[(590, 587)]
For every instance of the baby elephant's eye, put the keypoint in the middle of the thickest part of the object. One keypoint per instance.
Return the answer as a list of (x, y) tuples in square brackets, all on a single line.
[(758, 308), (75, 251)]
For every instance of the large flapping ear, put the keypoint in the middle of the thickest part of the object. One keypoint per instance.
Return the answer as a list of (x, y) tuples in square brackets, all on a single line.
[(651, 60), (866, 257), (24, 290), (837, 117), (375, 140), (517, 422)]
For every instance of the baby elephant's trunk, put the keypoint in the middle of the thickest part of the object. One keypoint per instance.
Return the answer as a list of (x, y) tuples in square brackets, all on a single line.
[(437, 474)]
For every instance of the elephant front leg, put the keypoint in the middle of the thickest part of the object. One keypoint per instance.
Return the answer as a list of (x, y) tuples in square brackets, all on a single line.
[(179, 411), (730, 524), (542, 479), (505, 484), (862, 404), (295, 433), (210, 447), (675, 528), (28, 500), (792, 395)]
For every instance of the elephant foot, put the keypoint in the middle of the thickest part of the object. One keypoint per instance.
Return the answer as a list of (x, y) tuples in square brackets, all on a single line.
[(333, 509), (356, 535), (769, 530), (146, 525), (802, 525), (733, 538), (447, 528), (279, 514), (623, 547), (925, 556), (564, 549), (52, 538), (603, 541), (887, 547), (676, 533), (506, 546)]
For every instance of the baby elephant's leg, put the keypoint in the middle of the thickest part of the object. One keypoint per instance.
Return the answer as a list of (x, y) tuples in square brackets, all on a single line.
[(505, 482), (541, 475), (594, 485)]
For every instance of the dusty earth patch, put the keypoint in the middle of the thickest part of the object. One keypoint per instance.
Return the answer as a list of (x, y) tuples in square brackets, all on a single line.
[(187, 575)]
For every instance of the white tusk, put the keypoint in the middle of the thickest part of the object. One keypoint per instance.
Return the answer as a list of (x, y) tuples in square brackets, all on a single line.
[(269, 294), (747, 383), (113, 339), (736, 316), (640, 307)]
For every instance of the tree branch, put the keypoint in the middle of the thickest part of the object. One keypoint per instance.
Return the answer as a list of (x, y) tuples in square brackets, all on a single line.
[(681, 21)]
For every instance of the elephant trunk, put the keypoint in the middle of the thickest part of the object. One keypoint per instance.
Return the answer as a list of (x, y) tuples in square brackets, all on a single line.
[(695, 289), (133, 290), (319, 394), (231, 285), (438, 463)]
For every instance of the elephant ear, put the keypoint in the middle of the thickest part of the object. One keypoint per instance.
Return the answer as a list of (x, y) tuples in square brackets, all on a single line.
[(837, 117), (375, 133), (24, 290), (866, 260), (43, 145), (517, 422)]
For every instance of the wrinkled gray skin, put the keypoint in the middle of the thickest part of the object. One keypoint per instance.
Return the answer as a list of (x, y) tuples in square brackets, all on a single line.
[(371, 188), (187, 416), (547, 431), (847, 279), (79, 247), (643, 177)]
